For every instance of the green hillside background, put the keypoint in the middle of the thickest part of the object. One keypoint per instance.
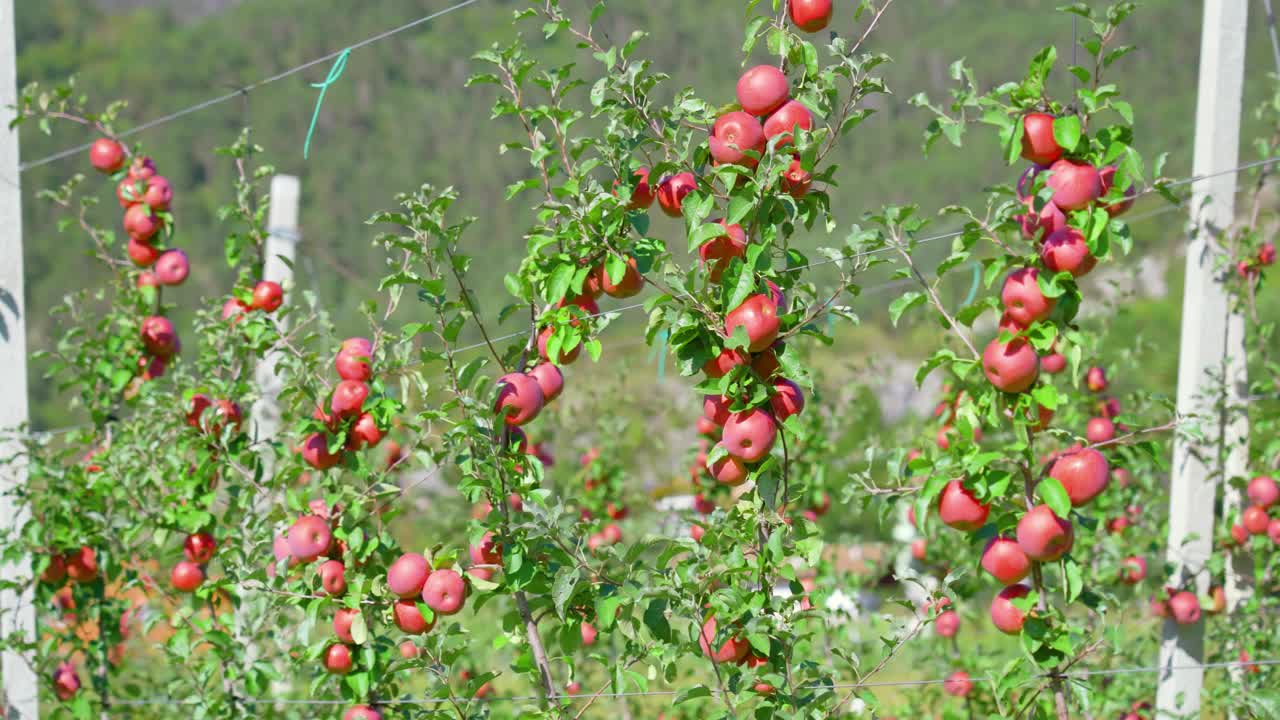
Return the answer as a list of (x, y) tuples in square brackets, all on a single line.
[(401, 116)]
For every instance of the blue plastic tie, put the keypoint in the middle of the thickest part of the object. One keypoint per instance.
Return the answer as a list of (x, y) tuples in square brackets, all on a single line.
[(973, 289), (335, 72), (661, 350)]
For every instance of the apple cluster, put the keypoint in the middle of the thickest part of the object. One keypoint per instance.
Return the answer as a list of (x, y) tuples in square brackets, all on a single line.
[(601, 499), (188, 574), (80, 567), (345, 415), (267, 296), (1263, 494), (1249, 267)]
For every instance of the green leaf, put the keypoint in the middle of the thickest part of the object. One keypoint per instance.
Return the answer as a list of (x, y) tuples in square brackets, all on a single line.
[(1055, 496), (359, 630), (562, 591), (693, 693), (1075, 579), (904, 303), (1066, 130)]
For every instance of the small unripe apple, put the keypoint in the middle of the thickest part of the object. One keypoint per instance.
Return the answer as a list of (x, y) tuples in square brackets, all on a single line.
[(1038, 143), (337, 659), (268, 296), (444, 591), (1007, 618), (309, 537), (106, 155), (762, 89)]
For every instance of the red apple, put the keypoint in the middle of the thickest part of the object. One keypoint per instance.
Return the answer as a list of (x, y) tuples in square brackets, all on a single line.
[(784, 121), (947, 624), (1074, 184), (810, 15), (1038, 144), (1133, 570), (719, 251), (82, 564), (337, 659), (749, 435), (642, 195), (66, 681), (1184, 606), (566, 356), (1066, 251), (409, 618), (151, 368), (716, 409), (958, 508), (732, 650), (672, 191), (444, 592), (958, 684), (354, 365), (199, 547), (142, 168), (158, 193), (1023, 301), (55, 572), (703, 505), (1267, 254), (762, 89), (1005, 560), (1255, 519), (1273, 531), (309, 537), (919, 549), (796, 181), (758, 314), (1263, 491), (333, 577), (1007, 618), (1096, 379), (348, 398), (159, 336), (408, 650), (549, 379), (733, 134), (233, 309), (1100, 430), (364, 712), (172, 267), (588, 633), (364, 433), (186, 576), (268, 296), (1047, 220), (1083, 473), (1107, 176), (787, 399), (720, 365), (519, 398), (728, 470), (407, 575), (141, 224), (1043, 535), (129, 192), (315, 452), (147, 279), (106, 155), (487, 552), (142, 254), (1239, 534), (1012, 366), (632, 281)]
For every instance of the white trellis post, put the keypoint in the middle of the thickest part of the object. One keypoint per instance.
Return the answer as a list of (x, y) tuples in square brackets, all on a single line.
[(17, 612), (282, 239), (1212, 350)]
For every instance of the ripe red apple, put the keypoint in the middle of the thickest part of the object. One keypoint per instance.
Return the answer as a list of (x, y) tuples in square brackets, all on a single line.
[(733, 134), (958, 508), (348, 398), (444, 591), (1100, 430), (1038, 144), (409, 618), (719, 251), (612, 533), (356, 364), (315, 452), (55, 572), (919, 549), (1074, 184), (364, 433), (186, 576), (1007, 618), (1012, 366), (703, 505), (519, 398), (268, 296), (172, 267), (566, 356), (1023, 301), (337, 659), (407, 575), (142, 168), (796, 181), (721, 364), (1005, 560), (1065, 251), (158, 194), (82, 564), (129, 192), (749, 435), (1133, 570), (141, 224), (759, 315), (573, 688), (672, 191), (1083, 473), (549, 379), (309, 537), (1239, 535), (947, 624), (787, 399), (1255, 519), (342, 620), (632, 281), (588, 633), (1043, 535), (696, 532), (716, 409), (333, 577), (1096, 379), (728, 470), (364, 712), (151, 368), (147, 279), (106, 155), (232, 309), (1117, 525), (487, 552), (958, 684), (142, 254), (1273, 531), (66, 681), (1184, 606), (408, 650), (810, 15), (762, 89), (1107, 176), (1267, 254), (732, 650), (785, 120), (642, 195), (199, 547), (159, 336), (1263, 491)]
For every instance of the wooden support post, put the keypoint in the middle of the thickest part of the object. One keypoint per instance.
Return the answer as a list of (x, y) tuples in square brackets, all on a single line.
[(17, 609), (282, 226), (1212, 351)]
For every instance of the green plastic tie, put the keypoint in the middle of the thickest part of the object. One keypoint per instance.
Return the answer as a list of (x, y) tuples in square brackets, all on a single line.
[(973, 289), (661, 350), (335, 72)]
